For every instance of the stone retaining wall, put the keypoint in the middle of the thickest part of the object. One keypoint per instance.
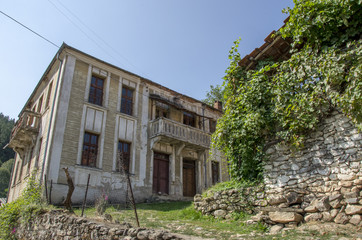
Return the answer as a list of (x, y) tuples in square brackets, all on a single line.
[(57, 225), (224, 203), (320, 182)]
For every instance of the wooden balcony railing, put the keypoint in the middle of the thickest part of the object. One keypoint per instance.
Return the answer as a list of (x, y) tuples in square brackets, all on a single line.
[(179, 132)]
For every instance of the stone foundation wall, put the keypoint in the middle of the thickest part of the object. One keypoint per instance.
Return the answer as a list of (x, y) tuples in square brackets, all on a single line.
[(320, 182), (330, 162), (224, 203), (57, 225)]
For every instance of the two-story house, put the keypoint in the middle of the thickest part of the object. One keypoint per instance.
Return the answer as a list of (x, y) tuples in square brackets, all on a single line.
[(84, 112)]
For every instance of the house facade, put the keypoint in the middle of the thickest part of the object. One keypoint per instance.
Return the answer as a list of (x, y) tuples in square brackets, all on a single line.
[(85, 113)]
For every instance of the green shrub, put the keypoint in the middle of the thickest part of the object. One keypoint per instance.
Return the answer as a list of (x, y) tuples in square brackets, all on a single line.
[(22, 208), (229, 185)]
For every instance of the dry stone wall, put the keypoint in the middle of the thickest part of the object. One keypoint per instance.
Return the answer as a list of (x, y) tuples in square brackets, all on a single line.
[(57, 225), (320, 182)]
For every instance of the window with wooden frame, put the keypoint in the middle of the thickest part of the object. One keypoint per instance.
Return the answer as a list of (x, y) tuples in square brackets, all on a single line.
[(212, 125), (30, 120), (124, 156), (189, 119), (15, 173), (40, 104), (49, 94), (39, 151), (96, 91), (31, 155), (90, 149), (127, 101)]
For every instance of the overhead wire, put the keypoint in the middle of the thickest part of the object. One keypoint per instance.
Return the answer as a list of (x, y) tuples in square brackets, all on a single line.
[(29, 29), (94, 33)]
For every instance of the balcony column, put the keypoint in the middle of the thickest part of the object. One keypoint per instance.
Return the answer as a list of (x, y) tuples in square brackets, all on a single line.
[(176, 170), (203, 178)]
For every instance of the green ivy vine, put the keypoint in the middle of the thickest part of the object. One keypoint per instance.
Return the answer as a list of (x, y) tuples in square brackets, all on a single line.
[(281, 101)]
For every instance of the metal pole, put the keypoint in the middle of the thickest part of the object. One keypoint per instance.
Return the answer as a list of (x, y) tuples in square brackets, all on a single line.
[(85, 196), (50, 191)]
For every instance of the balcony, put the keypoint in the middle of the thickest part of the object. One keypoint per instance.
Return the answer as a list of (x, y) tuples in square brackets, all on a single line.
[(25, 131), (174, 132)]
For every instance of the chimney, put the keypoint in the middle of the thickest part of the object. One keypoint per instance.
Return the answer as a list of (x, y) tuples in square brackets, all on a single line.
[(218, 105)]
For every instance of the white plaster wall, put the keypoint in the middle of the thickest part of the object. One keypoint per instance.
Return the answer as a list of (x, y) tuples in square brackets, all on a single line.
[(61, 110)]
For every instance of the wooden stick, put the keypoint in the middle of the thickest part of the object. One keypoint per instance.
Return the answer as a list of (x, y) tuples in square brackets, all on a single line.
[(46, 188), (68, 201), (85, 196)]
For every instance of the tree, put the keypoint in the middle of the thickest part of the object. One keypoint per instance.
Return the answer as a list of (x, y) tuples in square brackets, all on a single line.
[(215, 94), (8, 164), (6, 126), (4, 181), (5, 174), (284, 100)]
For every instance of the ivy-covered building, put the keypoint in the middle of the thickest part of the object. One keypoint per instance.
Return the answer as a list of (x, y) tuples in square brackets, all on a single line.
[(84, 112)]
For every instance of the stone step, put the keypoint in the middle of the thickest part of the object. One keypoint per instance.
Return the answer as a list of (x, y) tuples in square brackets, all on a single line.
[(277, 209)]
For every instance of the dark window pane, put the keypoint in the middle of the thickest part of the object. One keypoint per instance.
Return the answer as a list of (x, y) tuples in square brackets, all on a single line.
[(127, 101), (90, 150), (100, 83), (86, 137), (96, 91), (189, 119), (123, 158)]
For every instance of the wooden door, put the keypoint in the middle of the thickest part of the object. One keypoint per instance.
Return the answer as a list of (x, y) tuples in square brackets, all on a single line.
[(215, 172), (160, 173), (189, 178)]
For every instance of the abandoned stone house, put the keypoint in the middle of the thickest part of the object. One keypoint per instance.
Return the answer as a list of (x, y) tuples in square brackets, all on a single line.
[(84, 112)]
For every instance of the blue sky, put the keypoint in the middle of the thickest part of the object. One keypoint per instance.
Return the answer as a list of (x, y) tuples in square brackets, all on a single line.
[(181, 44)]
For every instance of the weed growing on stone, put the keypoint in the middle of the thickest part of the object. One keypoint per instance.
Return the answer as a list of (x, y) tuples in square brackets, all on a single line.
[(101, 204)]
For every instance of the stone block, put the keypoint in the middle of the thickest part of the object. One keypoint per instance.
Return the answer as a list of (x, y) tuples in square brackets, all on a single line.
[(346, 177), (345, 190), (220, 213), (276, 229), (355, 219), (341, 218), (352, 200), (347, 184), (353, 209), (335, 204), (293, 198), (292, 182), (285, 217), (275, 200), (295, 167), (334, 212), (356, 137), (351, 195), (282, 180), (323, 204), (335, 197), (311, 209), (310, 217), (326, 217)]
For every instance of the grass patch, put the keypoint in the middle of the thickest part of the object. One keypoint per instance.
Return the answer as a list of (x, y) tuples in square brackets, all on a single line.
[(180, 217)]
